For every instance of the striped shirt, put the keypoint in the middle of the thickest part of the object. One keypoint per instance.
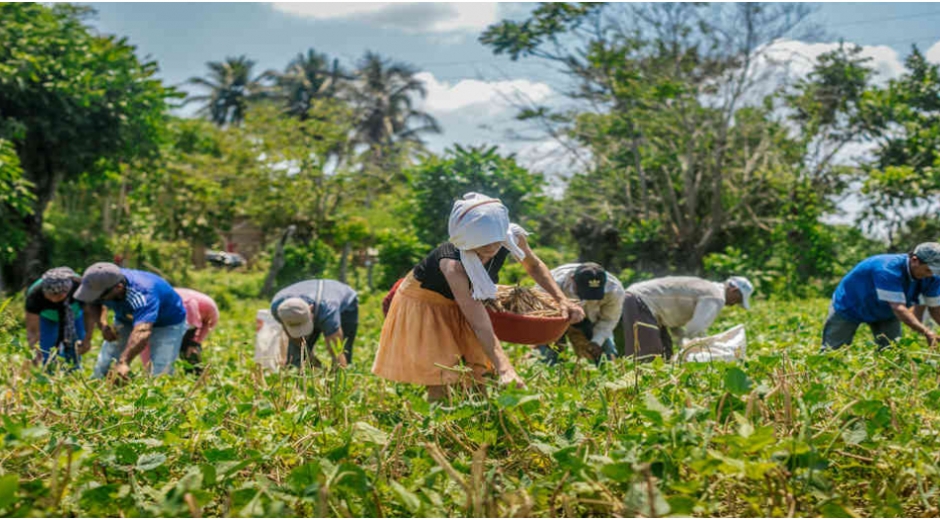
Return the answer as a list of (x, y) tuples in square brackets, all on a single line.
[(866, 293), (147, 299)]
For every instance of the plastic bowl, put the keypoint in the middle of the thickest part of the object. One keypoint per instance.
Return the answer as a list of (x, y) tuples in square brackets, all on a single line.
[(527, 330)]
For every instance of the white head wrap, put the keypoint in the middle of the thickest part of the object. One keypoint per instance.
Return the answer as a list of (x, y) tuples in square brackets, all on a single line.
[(475, 221)]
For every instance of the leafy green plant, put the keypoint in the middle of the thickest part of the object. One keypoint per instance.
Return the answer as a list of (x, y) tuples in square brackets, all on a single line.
[(785, 432)]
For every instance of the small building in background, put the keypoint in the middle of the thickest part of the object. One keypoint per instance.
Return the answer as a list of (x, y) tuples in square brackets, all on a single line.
[(245, 238)]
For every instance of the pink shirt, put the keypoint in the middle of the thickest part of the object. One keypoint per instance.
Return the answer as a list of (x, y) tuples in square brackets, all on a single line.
[(201, 312)]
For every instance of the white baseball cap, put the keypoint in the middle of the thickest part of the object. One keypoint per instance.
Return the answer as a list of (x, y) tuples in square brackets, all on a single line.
[(744, 285)]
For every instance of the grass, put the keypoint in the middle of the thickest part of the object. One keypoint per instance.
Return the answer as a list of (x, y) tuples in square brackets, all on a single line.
[(787, 432)]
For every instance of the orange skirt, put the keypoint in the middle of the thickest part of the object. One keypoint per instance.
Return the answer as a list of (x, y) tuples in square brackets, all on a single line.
[(423, 330)]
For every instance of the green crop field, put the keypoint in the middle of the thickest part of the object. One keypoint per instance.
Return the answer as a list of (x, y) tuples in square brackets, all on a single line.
[(786, 432)]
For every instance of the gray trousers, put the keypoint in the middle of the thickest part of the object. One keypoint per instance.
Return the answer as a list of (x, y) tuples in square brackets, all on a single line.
[(839, 331)]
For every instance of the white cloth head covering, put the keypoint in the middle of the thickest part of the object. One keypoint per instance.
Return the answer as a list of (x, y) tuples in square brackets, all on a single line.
[(475, 221)]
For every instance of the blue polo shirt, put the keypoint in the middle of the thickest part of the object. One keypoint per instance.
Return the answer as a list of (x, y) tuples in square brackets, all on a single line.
[(149, 299), (335, 299), (865, 293)]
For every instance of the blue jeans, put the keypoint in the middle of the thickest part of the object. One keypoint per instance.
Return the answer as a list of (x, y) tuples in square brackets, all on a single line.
[(840, 331), (165, 345), (49, 333), (550, 355)]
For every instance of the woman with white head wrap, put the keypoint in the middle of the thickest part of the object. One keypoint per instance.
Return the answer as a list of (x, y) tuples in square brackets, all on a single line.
[(437, 321), (53, 317)]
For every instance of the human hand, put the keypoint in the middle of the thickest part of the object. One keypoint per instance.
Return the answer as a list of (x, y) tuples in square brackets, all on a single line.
[(82, 348), (122, 370), (509, 377), (932, 339), (573, 312)]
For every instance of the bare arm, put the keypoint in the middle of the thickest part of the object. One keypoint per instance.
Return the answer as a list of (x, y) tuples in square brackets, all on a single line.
[(543, 276), (32, 329), (907, 316), (137, 342), (95, 317), (479, 320)]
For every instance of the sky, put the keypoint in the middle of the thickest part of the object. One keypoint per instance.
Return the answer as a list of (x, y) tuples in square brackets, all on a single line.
[(471, 92)]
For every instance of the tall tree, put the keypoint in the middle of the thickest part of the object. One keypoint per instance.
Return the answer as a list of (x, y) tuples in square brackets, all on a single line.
[(231, 85), (308, 77), (385, 94), (72, 102), (15, 205), (438, 181), (902, 183), (668, 103)]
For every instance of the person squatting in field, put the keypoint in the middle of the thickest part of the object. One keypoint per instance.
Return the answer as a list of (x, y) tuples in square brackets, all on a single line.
[(54, 319), (313, 307), (601, 295), (202, 316), (684, 306), (437, 321), (881, 291), (146, 311)]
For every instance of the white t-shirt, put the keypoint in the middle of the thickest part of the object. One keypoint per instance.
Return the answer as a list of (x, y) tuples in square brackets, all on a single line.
[(682, 302)]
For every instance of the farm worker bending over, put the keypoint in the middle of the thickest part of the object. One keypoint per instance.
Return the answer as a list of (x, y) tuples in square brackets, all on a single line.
[(54, 318), (601, 295), (313, 307), (146, 310), (683, 305), (437, 318), (202, 315), (880, 292)]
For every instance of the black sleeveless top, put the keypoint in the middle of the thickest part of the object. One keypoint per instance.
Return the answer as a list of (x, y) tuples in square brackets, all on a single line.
[(428, 271)]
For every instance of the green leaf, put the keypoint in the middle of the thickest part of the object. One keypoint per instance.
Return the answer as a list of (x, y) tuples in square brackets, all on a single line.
[(305, 477), (365, 432), (408, 499), (150, 461), (9, 484), (857, 434), (353, 478), (835, 510), (619, 471), (736, 381)]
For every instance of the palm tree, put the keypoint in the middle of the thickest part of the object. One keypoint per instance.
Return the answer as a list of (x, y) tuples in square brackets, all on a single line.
[(308, 77), (231, 87), (384, 96)]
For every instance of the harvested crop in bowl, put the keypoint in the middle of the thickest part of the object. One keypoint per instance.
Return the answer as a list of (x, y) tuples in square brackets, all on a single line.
[(523, 300)]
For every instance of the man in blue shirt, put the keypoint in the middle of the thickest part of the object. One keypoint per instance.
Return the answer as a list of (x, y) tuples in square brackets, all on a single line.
[(885, 291), (313, 307), (146, 310)]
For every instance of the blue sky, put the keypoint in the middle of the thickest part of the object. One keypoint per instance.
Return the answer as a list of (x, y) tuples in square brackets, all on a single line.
[(183, 36), (470, 88)]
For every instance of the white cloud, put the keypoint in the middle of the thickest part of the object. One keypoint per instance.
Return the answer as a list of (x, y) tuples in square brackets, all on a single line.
[(933, 53), (475, 112), (799, 57), (409, 17), (489, 96)]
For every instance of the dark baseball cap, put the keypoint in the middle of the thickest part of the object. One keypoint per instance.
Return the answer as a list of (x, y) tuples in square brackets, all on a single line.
[(590, 280), (97, 279)]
